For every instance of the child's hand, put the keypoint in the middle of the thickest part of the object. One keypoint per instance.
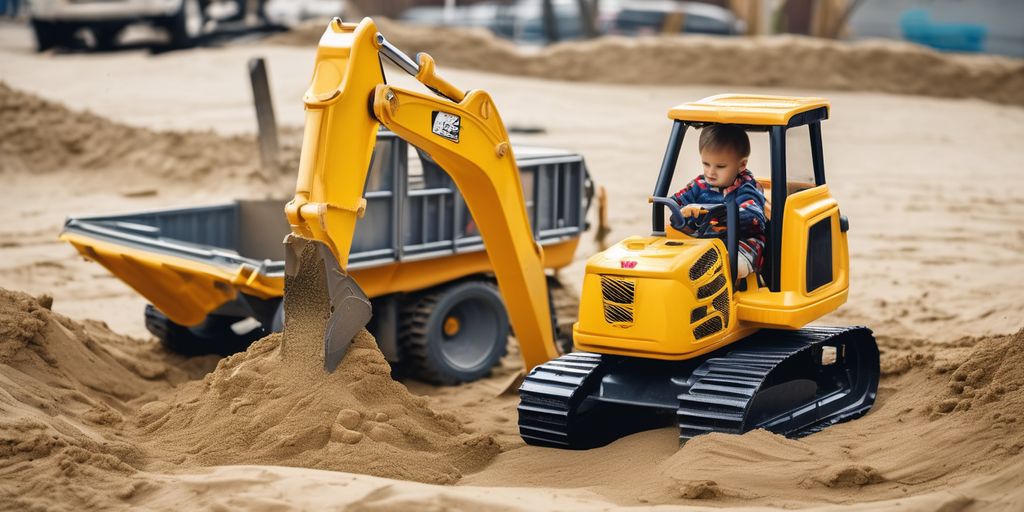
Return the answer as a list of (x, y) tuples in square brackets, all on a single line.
[(691, 210)]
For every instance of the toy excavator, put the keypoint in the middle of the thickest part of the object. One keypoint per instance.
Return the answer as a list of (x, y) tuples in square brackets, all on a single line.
[(666, 332)]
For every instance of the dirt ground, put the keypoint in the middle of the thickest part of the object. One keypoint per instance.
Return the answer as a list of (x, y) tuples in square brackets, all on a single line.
[(95, 415)]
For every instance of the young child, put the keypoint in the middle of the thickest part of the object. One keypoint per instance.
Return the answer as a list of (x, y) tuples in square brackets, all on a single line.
[(724, 150)]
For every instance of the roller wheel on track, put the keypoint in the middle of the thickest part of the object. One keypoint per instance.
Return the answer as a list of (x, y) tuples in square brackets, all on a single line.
[(214, 336), (455, 334)]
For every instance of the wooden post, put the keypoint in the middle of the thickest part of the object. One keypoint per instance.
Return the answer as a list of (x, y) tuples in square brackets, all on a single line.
[(588, 15), (266, 123)]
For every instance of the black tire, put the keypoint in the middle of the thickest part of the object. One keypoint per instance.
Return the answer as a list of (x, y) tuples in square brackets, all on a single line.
[(106, 37), (441, 352), (213, 336), (50, 35), (185, 27)]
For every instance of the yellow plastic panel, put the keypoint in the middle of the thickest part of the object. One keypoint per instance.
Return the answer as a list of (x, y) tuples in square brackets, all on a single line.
[(793, 306), (339, 138), (184, 290), (752, 109), (664, 295)]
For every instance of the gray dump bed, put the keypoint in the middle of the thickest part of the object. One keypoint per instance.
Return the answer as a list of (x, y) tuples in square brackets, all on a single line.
[(429, 218)]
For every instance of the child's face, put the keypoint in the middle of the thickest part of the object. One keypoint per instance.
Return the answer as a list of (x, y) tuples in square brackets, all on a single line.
[(721, 166)]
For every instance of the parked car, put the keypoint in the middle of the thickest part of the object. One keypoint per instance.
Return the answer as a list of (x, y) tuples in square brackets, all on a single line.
[(58, 22), (521, 21), (635, 18)]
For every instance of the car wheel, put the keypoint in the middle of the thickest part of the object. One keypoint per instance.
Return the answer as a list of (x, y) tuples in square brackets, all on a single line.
[(186, 26)]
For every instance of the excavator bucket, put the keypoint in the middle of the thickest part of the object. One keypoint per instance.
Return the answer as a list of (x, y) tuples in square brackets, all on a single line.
[(350, 309)]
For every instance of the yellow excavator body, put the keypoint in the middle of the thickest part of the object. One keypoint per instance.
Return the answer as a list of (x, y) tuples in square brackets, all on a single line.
[(663, 325)]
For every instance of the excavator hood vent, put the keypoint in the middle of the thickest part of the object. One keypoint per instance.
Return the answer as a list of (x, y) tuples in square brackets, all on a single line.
[(711, 326), (703, 320), (711, 288), (617, 297), (704, 263)]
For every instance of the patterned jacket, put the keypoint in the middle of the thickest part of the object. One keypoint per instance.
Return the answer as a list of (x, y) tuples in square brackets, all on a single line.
[(749, 196)]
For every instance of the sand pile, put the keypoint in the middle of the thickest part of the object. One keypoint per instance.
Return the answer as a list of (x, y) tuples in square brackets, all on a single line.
[(38, 136), (783, 61), (274, 404), (67, 389), (947, 428), (939, 423), (87, 417)]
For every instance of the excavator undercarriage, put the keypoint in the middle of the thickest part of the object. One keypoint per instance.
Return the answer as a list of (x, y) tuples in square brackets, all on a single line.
[(789, 382)]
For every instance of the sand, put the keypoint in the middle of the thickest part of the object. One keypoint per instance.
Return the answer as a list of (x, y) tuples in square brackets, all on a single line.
[(93, 419), (782, 61), (39, 136), (283, 409), (88, 425)]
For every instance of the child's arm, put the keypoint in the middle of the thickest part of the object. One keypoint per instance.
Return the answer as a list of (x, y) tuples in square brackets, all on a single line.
[(689, 194)]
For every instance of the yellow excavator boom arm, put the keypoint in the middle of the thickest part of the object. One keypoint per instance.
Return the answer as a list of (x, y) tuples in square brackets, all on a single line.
[(346, 101)]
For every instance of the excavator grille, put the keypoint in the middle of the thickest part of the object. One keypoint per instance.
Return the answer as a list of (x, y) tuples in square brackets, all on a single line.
[(618, 295), (715, 287), (713, 325), (721, 303), (711, 288), (703, 264)]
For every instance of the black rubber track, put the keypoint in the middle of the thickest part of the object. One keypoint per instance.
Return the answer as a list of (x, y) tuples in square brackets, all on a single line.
[(772, 380), (724, 393)]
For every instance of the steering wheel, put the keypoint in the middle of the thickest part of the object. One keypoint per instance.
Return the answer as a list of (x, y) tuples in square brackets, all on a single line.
[(711, 215)]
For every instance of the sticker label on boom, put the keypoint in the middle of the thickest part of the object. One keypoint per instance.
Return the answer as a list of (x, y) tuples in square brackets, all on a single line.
[(446, 125)]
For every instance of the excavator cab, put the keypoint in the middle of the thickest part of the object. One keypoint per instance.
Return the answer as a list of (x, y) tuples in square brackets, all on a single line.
[(666, 332)]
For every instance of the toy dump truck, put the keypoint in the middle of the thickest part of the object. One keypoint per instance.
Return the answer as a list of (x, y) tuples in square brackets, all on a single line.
[(215, 274)]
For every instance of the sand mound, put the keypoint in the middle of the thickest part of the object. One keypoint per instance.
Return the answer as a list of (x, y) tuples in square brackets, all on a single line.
[(934, 426), (87, 416), (274, 404), (38, 136), (781, 61), (67, 388), (906, 446)]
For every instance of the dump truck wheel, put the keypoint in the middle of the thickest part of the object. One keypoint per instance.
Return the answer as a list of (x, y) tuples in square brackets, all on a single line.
[(213, 336), (456, 334)]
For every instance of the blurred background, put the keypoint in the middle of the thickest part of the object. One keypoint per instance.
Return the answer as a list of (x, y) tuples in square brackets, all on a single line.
[(979, 26)]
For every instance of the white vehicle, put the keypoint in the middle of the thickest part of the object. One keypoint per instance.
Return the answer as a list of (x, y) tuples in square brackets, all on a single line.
[(56, 22)]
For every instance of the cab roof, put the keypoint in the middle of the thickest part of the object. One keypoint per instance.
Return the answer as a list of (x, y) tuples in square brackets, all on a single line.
[(749, 109)]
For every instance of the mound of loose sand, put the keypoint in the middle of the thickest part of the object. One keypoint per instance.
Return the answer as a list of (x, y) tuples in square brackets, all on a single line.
[(274, 404), (88, 417), (39, 136), (85, 414), (67, 389), (782, 61), (948, 421)]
